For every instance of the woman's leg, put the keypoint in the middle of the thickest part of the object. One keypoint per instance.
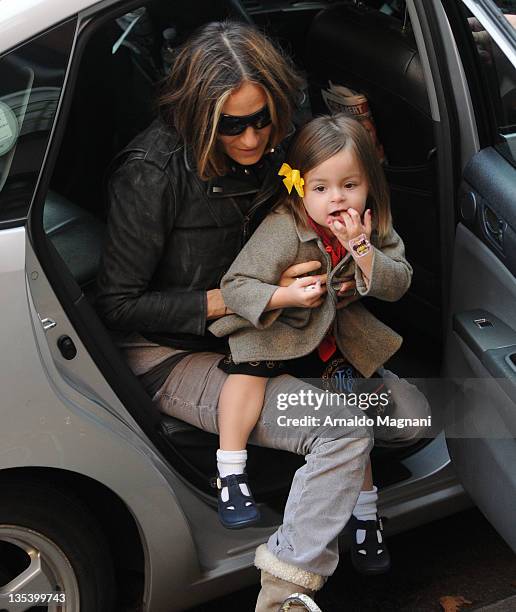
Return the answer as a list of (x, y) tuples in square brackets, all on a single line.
[(304, 550), (408, 403), (367, 485)]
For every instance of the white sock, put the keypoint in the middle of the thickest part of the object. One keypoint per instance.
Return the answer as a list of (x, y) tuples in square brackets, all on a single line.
[(365, 510), (231, 462)]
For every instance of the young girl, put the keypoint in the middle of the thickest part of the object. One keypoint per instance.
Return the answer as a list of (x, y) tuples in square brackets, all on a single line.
[(335, 210)]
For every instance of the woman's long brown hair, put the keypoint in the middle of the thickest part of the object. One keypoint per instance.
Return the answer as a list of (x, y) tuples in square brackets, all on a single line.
[(216, 60), (323, 138)]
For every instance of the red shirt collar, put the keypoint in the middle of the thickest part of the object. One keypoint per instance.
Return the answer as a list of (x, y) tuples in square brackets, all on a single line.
[(331, 243)]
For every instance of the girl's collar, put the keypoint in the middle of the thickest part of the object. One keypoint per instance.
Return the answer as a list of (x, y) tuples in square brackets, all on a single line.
[(330, 242)]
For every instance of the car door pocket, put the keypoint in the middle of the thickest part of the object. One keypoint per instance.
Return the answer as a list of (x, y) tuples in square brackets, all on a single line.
[(500, 365), (511, 361)]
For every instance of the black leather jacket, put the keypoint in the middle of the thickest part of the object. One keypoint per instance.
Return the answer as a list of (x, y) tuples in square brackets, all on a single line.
[(171, 237)]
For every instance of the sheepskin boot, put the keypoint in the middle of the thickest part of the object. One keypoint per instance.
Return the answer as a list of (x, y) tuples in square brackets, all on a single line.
[(280, 580)]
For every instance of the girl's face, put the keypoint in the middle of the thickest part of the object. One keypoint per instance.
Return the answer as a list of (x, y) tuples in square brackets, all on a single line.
[(334, 186)]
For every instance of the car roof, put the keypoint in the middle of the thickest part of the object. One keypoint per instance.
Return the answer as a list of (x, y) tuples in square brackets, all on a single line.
[(21, 20)]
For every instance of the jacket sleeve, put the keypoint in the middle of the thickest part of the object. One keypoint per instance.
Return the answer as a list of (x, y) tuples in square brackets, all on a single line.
[(391, 273), (253, 277), (141, 218)]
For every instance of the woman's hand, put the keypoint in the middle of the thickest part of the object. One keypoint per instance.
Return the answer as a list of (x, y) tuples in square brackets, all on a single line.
[(301, 293), (216, 306), (299, 270), (347, 293)]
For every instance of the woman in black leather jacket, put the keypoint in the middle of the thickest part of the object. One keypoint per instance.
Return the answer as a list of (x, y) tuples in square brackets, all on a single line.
[(185, 196)]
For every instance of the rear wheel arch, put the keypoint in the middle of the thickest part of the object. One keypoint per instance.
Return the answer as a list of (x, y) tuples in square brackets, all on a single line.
[(107, 509)]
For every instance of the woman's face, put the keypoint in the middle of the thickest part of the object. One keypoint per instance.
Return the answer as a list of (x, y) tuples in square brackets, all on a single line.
[(249, 146)]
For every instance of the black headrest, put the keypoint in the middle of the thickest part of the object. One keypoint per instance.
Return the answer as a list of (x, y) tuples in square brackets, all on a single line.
[(371, 52), (371, 43)]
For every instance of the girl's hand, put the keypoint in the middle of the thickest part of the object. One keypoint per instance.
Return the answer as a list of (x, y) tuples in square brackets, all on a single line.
[(302, 293), (306, 292), (299, 270), (349, 226), (348, 288)]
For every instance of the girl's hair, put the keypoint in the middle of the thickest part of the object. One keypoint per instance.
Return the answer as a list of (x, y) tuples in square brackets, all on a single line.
[(217, 59), (323, 138)]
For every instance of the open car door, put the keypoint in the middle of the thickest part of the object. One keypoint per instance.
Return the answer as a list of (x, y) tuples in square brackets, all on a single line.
[(480, 356)]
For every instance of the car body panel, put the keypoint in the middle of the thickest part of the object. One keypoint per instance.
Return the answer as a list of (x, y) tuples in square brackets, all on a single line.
[(63, 414), (52, 424), (481, 327), (21, 20), (481, 434)]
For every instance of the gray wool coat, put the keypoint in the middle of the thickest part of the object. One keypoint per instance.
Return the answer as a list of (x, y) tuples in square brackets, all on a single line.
[(288, 333)]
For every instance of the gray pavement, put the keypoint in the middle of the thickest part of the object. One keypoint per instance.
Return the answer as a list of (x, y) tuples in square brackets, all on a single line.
[(458, 556), (506, 605)]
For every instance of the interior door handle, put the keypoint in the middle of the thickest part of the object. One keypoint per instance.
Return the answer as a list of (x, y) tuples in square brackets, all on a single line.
[(494, 226)]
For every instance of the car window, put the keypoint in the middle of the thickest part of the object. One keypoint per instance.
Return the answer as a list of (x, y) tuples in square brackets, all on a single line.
[(31, 79), (499, 75)]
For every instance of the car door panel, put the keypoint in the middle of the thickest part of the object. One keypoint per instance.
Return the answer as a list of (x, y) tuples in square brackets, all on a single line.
[(481, 420), (478, 365), (495, 221)]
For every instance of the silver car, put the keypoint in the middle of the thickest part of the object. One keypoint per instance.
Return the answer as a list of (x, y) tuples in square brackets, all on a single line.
[(104, 501)]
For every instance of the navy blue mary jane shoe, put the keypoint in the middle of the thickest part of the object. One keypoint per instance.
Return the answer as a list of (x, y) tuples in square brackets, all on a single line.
[(371, 557), (239, 510)]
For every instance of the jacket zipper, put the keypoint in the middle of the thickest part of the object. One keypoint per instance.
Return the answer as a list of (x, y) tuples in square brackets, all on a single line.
[(250, 213), (245, 229)]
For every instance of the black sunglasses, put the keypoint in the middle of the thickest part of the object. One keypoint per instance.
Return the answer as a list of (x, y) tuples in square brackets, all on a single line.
[(232, 125)]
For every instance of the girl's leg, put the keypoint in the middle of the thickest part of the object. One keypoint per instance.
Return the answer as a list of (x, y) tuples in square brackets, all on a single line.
[(368, 477), (369, 554), (240, 405)]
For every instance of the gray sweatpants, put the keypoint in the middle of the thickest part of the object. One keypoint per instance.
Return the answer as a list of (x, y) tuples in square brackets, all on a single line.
[(325, 489)]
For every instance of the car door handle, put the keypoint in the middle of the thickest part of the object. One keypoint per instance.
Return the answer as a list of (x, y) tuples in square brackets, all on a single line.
[(494, 226)]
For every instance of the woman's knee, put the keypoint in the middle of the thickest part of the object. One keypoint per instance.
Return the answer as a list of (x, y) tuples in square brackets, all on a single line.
[(408, 418), (408, 402), (403, 431), (345, 441)]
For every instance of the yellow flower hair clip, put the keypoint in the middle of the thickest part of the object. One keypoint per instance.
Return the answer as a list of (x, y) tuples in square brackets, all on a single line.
[(292, 179)]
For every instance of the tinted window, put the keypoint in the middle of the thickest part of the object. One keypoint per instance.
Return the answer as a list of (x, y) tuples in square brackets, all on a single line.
[(31, 79), (498, 77)]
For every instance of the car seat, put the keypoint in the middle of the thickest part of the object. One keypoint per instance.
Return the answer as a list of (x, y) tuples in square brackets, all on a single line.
[(76, 235)]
